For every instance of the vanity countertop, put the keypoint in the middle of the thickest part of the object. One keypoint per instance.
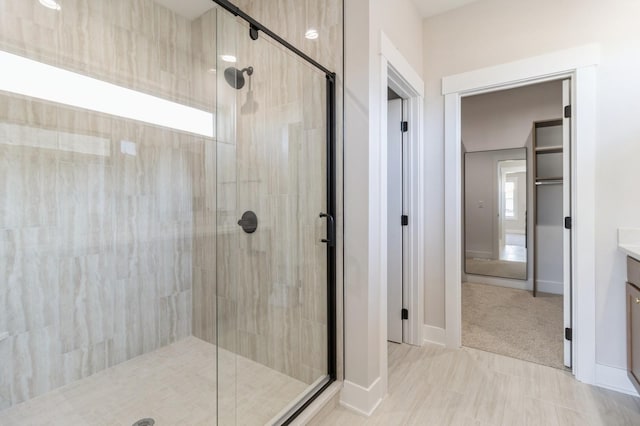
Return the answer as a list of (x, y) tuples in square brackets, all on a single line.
[(629, 241)]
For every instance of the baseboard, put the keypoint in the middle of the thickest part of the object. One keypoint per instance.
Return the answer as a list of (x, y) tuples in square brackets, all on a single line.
[(553, 287), (479, 254), (433, 335), (360, 399), (500, 282), (615, 379)]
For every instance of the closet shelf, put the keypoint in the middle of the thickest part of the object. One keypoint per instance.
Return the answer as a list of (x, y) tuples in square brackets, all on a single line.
[(540, 179)]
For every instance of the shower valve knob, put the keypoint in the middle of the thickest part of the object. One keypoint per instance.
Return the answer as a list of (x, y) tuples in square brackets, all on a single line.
[(249, 222)]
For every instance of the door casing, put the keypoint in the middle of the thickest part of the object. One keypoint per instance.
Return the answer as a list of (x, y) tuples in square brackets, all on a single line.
[(578, 64)]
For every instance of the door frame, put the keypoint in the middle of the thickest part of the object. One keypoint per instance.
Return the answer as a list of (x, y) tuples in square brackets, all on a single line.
[(579, 64), (397, 74)]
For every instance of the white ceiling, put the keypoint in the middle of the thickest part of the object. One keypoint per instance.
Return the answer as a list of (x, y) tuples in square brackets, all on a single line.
[(435, 7), (188, 8), (194, 8)]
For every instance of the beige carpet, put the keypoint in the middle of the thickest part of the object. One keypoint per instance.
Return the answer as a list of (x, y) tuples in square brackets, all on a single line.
[(514, 323)]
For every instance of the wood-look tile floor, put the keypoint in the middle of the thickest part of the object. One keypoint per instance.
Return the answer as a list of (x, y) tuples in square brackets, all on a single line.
[(436, 386), (175, 385)]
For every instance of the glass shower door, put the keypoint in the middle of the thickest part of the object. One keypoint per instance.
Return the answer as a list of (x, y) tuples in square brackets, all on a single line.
[(271, 193)]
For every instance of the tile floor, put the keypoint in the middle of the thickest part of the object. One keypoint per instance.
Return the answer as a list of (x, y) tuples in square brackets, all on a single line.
[(175, 385), (427, 386), (436, 386)]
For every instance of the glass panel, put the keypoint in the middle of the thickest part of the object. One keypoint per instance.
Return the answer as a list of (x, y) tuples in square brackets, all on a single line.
[(126, 161), (106, 213), (272, 282)]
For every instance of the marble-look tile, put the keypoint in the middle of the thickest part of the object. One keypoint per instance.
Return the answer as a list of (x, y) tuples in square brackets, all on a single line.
[(174, 385), (434, 385), (120, 251), (279, 173), (100, 276)]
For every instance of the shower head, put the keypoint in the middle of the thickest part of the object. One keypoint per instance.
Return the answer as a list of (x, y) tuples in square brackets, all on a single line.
[(235, 78)]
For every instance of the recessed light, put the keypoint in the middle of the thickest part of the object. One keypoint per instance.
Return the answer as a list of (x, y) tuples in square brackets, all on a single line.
[(51, 4), (229, 58), (311, 34)]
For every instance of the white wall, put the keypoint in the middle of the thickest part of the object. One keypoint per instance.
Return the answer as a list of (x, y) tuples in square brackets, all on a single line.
[(493, 32), (365, 365), (401, 22), (501, 120)]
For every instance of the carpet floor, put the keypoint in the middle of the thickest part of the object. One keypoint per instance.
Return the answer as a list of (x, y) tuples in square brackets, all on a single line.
[(513, 323)]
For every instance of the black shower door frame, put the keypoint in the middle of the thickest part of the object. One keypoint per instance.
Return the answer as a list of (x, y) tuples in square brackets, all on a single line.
[(255, 28)]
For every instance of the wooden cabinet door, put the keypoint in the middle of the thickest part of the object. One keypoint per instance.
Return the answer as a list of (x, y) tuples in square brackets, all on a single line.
[(633, 334)]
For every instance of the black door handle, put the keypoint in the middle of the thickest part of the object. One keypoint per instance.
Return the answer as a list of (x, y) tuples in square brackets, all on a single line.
[(331, 231)]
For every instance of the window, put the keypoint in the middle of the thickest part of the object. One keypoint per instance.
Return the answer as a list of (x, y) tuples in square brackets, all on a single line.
[(509, 203)]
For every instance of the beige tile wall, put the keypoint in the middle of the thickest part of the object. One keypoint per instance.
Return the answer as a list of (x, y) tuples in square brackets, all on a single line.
[(290, 19), (96, 246), (272, 284), (203, 44), (108, 255)]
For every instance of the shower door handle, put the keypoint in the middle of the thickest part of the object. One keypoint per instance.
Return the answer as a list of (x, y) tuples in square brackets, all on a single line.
[(331, 231)]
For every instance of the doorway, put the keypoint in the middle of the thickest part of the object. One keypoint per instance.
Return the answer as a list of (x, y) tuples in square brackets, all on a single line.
[(513, 231), (580, 65)]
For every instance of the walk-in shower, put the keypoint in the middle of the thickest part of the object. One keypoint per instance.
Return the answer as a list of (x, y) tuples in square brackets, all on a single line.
[(167, 203)]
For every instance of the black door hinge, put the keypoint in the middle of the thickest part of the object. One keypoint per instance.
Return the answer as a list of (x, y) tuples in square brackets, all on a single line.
[(405, 220), (405, 314), (567, 111), (568, 334), (567, 223), (404, 126)]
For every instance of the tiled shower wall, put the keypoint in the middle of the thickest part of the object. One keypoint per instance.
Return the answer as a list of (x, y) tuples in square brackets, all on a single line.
[(110, 255), (271, 285), (203, 41), (285, 325), (96, 245)]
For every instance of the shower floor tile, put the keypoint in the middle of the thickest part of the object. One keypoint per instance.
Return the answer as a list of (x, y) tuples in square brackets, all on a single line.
[(175, 385)]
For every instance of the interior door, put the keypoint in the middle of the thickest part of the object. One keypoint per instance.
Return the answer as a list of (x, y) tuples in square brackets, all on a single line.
[(566, 196), (394, 224)]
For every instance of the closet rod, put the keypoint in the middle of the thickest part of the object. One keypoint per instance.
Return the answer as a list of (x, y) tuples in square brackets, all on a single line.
[(549, 182)]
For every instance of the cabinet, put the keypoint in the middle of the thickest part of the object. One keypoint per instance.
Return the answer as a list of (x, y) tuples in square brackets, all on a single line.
[(633, 321)]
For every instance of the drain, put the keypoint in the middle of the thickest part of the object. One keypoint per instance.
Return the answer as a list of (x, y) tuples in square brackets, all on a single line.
[(145, 422)]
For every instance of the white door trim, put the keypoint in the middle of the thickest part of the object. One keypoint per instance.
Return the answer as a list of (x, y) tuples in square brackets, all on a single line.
[(580, 65), (397, 74)]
